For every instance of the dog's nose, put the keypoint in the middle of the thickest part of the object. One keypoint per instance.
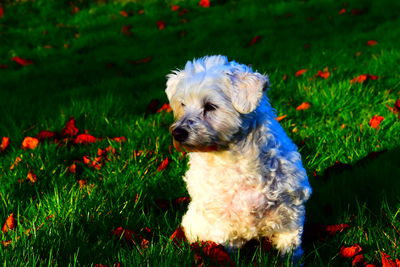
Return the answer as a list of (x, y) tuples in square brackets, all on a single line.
[(180, 134)]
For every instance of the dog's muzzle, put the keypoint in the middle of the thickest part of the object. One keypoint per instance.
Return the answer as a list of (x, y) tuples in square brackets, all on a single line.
[(180, 134)]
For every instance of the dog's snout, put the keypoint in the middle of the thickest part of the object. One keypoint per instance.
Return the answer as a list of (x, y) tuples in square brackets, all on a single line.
[(180, 134)]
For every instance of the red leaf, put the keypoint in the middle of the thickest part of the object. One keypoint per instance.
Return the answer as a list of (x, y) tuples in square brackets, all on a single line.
[(163, 164), (335, 228), (124, 13), (5, 142), (126, 30), (10, 223), (1, 12), (350, 252), (141, 61), (204, 3), (3, 66), (215, 252), (119, 139), (303, 106), (161, 25), (178, 236), (45, 135), (280, 117), (342, 11), (364, 77), (323, 74), (30, 143), (375, 121), (70, 129), (31, 177), (386, 261), (165, 107), (358, 260), (372, 42), (175, 7), (85, 139), (300, 72), (21, 61), (181, 200), (254, 40), (72, 168)]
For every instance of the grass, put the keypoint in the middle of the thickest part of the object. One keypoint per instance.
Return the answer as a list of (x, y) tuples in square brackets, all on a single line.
[(85, 67)]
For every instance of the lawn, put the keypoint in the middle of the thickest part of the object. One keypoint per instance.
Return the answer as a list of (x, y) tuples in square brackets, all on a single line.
[(103, 184)]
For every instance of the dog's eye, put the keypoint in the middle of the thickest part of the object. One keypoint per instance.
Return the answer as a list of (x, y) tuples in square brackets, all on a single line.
[(183, 105), (209, 107)]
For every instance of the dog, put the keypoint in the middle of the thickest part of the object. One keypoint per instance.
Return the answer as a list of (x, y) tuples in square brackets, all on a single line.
[(245, 178)]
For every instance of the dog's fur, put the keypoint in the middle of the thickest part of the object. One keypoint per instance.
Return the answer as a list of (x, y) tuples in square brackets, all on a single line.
[(245, 176)]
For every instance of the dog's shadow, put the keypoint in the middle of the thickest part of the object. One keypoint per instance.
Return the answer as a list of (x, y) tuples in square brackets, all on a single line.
[(344, 188), (338, 194)]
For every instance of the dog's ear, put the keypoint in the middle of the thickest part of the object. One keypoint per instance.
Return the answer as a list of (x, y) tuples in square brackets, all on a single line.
[(247, 89), (172, 83)]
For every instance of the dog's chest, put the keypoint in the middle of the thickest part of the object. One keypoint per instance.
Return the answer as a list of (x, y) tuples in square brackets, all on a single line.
[(232, 186)]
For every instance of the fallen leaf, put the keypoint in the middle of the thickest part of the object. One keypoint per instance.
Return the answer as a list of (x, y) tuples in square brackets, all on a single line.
[(350, 252), (254, 40), (130, 236), (1, 12), (183, 12), (126, 30), (10, 223), (204, 3), (70, 129), (3, 66), (323, 74), (214, 252), (280, 117), (74, 9), (141, 61), (372, 42), (82, 183), (363, 77), (119, 139), (175, 7), (303, 106), (395, 109), (165, 107), (163, 164), (16, 162), (124, 13), (376, 121), (342, 11), (30, 143), (178, 236), (6, 243), (31, 177), (181, 200), (358, 261), (160, 25), (22, 61), (336, 228), (300, 72), (85, 139), (141, 12), (72, 168), (45, 135), (386, 261), (285, 77), (5, 142)]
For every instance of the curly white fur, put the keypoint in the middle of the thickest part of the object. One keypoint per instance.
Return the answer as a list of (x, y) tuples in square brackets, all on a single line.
[(245, 179)]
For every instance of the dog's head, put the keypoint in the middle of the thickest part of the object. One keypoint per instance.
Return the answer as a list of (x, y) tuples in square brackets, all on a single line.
[(209, 98)]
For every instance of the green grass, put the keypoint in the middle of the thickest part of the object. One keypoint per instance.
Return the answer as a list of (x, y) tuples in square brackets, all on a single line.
[(88, 73)]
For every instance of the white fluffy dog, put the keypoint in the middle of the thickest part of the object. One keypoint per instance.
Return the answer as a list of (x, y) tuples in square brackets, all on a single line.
[(245, 179)]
